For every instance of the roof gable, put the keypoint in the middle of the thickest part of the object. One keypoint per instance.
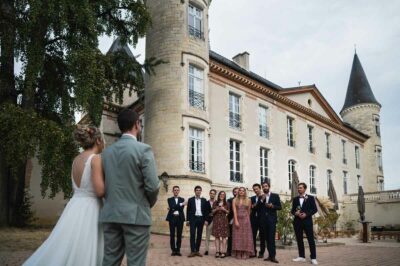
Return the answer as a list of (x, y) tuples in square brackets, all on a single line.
[(318, 102)]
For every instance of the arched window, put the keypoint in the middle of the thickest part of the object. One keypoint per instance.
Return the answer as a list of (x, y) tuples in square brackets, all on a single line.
[(313, 188), (291, 170)]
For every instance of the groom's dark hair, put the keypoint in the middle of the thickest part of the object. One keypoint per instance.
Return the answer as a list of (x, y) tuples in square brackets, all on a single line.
[(127, 118)]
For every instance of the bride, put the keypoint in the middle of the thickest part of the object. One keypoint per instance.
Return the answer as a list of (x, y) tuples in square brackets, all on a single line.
[(77, 238)]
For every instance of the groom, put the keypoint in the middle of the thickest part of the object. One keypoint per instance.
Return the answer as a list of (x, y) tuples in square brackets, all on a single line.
[(131, 189)]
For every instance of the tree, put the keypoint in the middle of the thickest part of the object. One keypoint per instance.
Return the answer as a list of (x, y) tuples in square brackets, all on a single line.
[(62, 72)]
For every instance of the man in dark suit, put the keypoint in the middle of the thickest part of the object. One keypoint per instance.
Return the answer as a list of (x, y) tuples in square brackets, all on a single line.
[(255, 221), (209, 219), (303, 208), (268, 205), (230, 219), (197, 212), (176, 218)]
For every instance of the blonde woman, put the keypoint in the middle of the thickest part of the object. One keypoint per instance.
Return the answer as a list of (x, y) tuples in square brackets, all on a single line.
[(77, 238), (242, 235)]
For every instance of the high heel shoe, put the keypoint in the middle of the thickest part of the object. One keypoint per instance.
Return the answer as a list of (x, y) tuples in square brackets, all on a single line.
[(217, 254)]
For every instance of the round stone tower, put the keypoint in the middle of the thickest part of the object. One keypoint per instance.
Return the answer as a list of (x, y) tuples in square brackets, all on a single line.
[(176, 99), (362, 111)]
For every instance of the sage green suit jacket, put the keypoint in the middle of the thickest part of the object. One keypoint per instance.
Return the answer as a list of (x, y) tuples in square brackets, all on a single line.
[(131, 182)]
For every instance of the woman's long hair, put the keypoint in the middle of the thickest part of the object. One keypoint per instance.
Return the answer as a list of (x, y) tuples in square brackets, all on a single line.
[(246, 200), (218, 198)]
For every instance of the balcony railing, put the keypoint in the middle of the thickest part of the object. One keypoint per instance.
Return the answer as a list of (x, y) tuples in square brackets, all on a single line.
[(196, 99), (235, 120), (196, 32), (264, 131), (381, 196), (197, 166)]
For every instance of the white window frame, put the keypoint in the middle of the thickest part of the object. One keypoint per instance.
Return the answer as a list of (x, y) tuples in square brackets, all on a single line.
[(377, 124), (345, 182), (328, 145), (357, 156), (235, 119), (196, 150), (313, 187), (328, 178), (290, 131), (310, 130), (235, 165), (344, 151), (263, 121), (291, 170), (264, 165), (195, 21), (378, 150), (196, 87)]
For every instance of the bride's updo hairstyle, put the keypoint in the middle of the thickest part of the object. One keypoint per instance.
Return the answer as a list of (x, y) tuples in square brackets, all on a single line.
[(87, 135)]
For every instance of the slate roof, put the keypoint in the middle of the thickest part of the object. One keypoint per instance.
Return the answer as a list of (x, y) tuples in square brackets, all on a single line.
[(358, 91)]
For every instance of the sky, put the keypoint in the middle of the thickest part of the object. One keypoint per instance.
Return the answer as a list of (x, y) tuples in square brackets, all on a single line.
[(313, 42)]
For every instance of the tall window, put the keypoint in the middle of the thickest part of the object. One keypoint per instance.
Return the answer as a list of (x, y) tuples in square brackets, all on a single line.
[(357, 154), (377, 125), (344, 182), (196, 87), (313, 188), (310, 139), (195, 22), (328, 178), (291, 170), (358, 181), (235, 167), (196, 156), (234, 111), (381, 184), (344, 151), (290, 132), (328, 145), (264, 165), (379, 157), (262, 121)]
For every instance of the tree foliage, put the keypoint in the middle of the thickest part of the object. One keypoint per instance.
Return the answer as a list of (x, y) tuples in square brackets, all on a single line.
[(63, 72)]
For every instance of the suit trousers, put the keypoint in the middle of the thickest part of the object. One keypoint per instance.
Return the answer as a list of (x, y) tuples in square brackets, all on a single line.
[(129, 239), (209, 229), (269, 230), (196, 232), (256, 227), (229, 247), (299, 228), (175, 225)]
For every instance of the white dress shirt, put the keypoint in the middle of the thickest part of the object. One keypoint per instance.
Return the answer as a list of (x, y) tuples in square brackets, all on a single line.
[(129, 135), (176, 202), (267, 197), (302, 200), (198, 207)]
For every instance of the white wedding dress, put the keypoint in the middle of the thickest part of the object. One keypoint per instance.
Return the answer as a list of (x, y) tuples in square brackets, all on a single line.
[(77, 238)]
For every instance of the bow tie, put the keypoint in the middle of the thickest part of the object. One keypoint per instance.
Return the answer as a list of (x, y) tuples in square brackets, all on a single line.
[(302, 197)]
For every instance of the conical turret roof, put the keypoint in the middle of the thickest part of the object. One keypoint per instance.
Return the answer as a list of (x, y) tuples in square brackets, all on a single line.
[(358, 91)]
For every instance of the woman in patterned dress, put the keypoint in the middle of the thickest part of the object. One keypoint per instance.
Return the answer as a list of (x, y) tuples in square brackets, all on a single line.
[(242, 236), (220, 224)]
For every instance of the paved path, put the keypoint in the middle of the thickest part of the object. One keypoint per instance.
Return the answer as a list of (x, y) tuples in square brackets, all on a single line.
[(379, 253)]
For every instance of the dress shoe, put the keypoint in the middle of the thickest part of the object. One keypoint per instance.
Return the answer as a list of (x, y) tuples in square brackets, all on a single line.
[(192, 254), (206, 253), (260, 256), (252, 256), (299, 259), (267, 259), (178, 254), (273, 260), (173, 253), (198, 254)]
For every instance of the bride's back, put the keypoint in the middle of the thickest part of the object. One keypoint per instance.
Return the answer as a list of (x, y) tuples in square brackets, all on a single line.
[(81, 172)]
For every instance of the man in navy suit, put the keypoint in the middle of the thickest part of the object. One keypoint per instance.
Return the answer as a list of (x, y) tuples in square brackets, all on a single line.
[(176, 218), (235, 191), (255, 221), (197, 212), (268, 205), (303, 208)]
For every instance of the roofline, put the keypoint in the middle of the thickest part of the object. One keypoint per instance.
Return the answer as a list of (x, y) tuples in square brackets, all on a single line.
[(221, 68)]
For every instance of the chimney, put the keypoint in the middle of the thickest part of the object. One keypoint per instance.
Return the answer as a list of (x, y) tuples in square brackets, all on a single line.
[(242, 60)]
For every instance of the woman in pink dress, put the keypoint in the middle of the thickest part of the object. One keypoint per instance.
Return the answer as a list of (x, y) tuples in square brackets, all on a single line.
[(242, 236)]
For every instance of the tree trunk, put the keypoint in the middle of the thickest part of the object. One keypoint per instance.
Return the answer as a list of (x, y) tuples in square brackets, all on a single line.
[(4, 211)]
